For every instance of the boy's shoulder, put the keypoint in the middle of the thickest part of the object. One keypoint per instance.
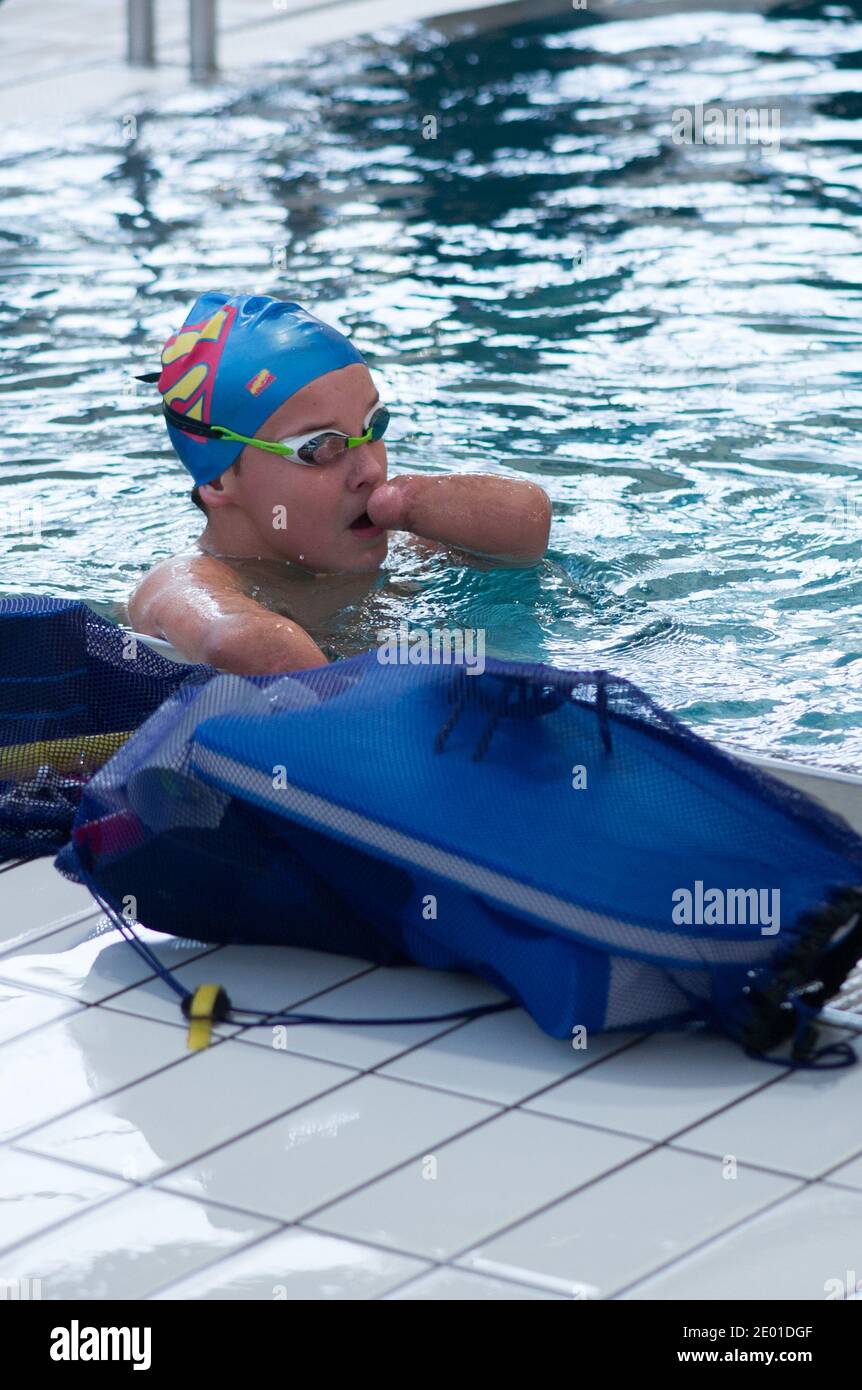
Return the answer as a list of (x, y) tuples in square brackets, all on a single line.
[(189, 578), (190, 566)]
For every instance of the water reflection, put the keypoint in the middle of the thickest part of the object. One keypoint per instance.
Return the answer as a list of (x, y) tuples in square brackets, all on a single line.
[(665, 336)]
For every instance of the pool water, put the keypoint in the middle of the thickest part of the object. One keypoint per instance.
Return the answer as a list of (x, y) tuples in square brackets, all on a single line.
[(546, 286)]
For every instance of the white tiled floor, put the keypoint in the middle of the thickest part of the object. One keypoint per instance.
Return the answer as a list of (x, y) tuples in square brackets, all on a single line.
[(300, 1264), (807, 1247), (806, 1125), (447, 1285), (477, 1160), (33, 903), (87, 962)]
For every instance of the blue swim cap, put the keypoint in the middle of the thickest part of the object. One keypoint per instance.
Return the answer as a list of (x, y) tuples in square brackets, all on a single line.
[(235, 360)]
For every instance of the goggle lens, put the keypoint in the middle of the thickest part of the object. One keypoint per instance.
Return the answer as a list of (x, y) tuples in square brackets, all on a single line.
[(328, 448)]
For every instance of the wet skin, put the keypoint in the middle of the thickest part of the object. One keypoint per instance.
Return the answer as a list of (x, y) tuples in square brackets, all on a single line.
[(309, 540)]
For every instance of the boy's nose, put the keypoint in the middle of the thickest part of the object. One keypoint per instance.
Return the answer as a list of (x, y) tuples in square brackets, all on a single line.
[(366, 466)]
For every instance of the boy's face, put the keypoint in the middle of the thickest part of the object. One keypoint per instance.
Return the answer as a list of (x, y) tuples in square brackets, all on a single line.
[(309, 513)]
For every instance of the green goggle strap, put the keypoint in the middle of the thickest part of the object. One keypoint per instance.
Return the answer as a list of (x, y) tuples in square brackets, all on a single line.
[(267, 445), (351, 441)]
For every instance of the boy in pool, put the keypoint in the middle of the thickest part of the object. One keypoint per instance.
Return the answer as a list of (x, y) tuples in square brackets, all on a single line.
[(277, 419)]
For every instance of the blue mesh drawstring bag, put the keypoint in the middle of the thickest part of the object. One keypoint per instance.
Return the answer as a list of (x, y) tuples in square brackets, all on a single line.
[(554, 832), (73, 687)]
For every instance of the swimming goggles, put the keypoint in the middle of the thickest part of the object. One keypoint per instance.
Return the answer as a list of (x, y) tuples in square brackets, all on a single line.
[(320, 448)]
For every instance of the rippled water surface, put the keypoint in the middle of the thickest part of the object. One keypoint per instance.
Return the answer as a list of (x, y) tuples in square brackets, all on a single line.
[(665, 336)]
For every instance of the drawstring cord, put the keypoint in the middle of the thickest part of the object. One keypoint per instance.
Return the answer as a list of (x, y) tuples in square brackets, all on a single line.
[(518, 697), (802, 1058), (261, 1018)]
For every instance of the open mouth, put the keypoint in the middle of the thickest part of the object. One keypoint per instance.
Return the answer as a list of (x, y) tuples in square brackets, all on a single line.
[(365, 525)]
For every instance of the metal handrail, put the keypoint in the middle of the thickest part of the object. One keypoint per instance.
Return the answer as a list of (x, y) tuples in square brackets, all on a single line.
[(202, 37), (141, 32), (203, 34)]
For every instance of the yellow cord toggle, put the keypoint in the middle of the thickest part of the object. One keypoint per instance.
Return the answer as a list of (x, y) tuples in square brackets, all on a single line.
[(208, 1005)]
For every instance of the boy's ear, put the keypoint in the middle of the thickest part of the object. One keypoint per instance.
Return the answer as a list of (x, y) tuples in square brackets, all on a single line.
[(212, 494), (218, 493)]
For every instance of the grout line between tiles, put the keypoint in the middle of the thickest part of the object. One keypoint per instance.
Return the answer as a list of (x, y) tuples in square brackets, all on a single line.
[(71, 1216), (219, 1260), (747, 1220), (470, 1273), (370, 1070), (75, 1003), (652, 1145), (840, 1186), (571, 1076), (804, 1185), (313, 1212), (841, 1163), (281, 1228), (447, 1090), (71, 1008), (689, 1149), (50, 929), (18, 1145), (763, 1167), (154, 1184), (207, 949), (106, 1095), (377, 1067), (358, 974), (542, 1283), (19, 1141)]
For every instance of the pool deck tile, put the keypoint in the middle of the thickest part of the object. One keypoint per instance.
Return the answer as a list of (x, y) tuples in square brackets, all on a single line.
[(460, 1161)]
